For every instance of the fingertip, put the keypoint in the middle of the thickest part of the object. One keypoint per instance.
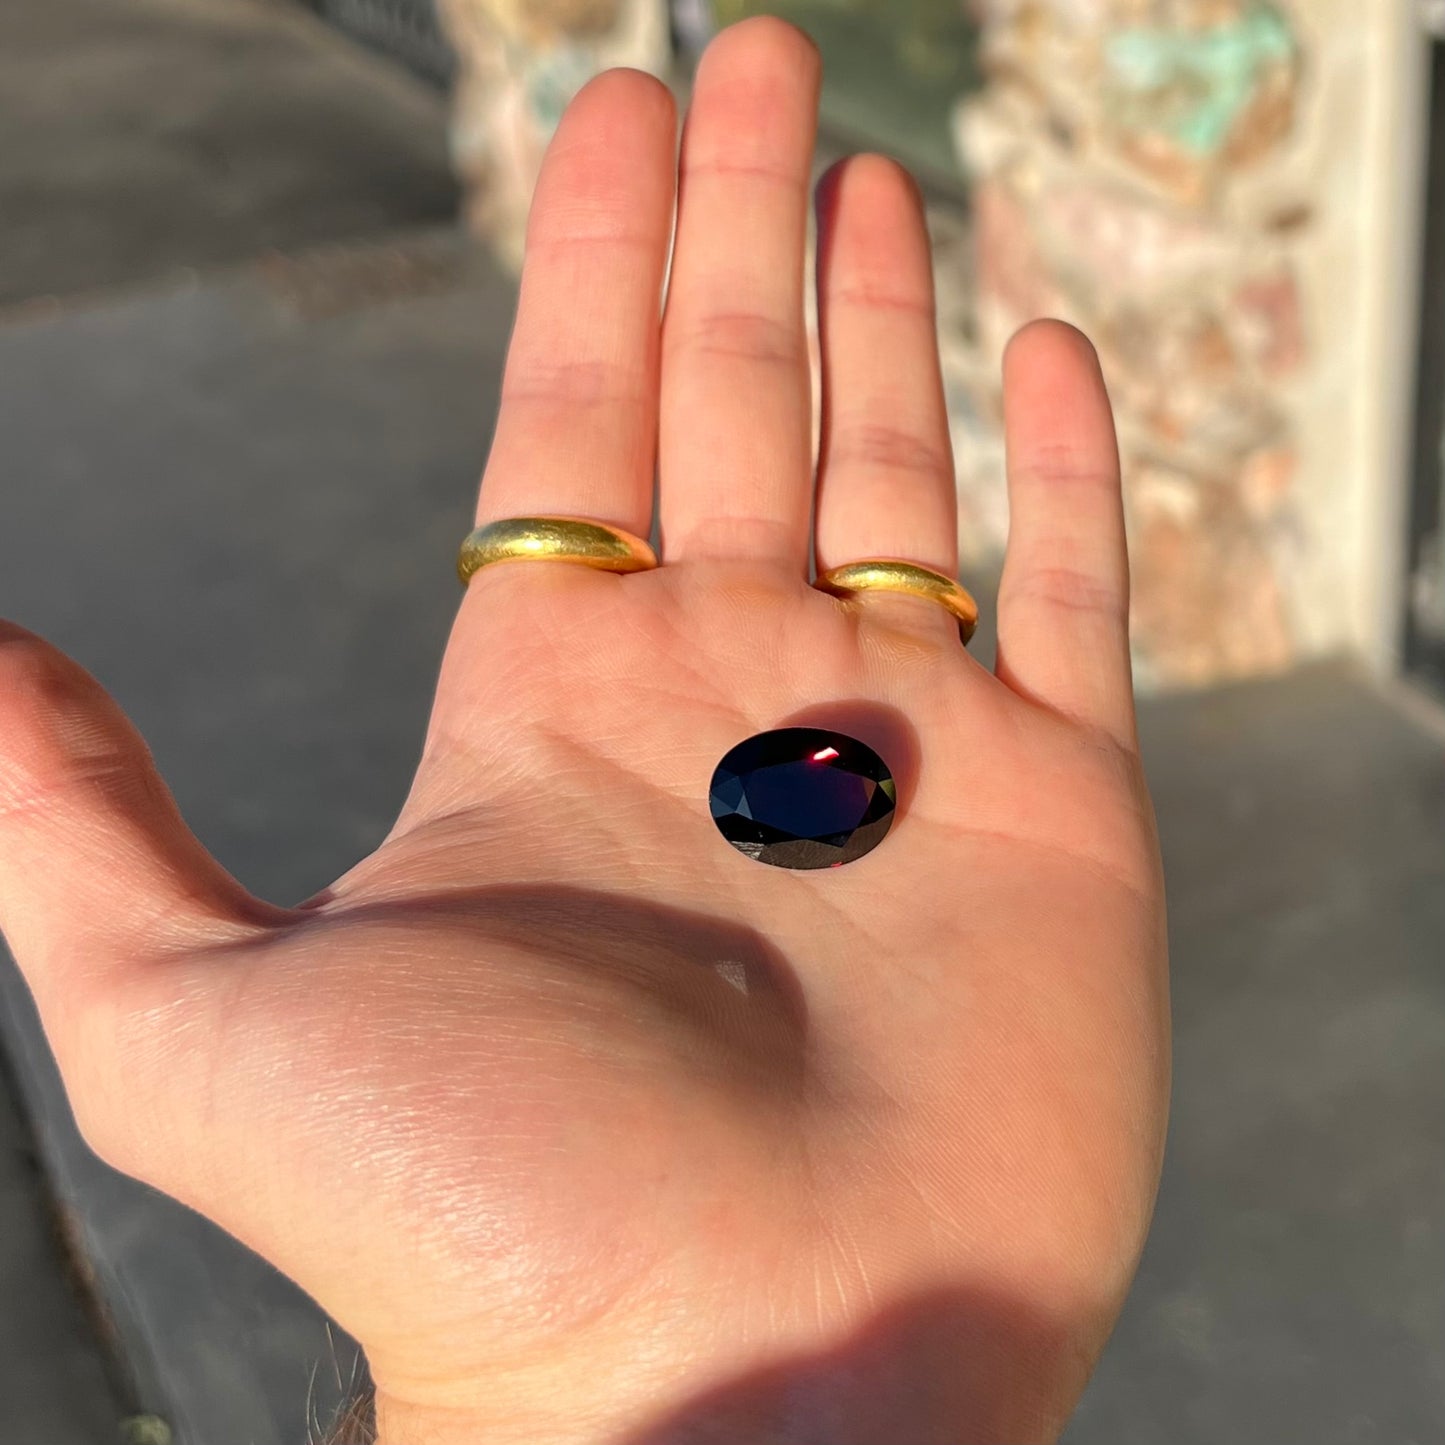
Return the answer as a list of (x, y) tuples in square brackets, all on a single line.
[(609, 171), (762, 43), (1050, 345), (875, 185), (1055, 396), (877, 205), (773, 34), (619, 97), (874, 251)]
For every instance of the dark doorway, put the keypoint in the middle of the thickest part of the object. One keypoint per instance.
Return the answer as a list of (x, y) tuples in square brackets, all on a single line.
[(1425, 590)]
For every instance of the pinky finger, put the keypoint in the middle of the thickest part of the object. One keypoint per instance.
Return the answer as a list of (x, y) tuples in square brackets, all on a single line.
[(1063, 611)]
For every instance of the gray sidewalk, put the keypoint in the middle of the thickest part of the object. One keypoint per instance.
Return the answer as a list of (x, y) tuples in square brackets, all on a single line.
[(139, 138)]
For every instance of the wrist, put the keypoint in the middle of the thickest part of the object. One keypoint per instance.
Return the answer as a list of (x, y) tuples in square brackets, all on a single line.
[(931, 1373)]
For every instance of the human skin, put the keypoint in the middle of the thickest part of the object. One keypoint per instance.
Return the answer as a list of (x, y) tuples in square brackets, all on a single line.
[(489, 1098)]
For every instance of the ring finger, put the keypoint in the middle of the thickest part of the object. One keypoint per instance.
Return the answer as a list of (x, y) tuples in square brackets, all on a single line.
[(885, 470)]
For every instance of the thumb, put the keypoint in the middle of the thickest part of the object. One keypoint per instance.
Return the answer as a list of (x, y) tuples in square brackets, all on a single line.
[(97, 868)]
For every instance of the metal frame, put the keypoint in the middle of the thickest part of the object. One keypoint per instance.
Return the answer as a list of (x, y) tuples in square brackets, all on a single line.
[(408, 30)]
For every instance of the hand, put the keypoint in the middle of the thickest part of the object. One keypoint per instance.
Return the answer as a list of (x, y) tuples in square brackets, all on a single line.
[(490, 1099)]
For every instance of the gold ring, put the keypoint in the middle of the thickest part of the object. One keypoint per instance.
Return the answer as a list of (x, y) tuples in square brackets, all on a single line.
[(886, 574), (554, 539)]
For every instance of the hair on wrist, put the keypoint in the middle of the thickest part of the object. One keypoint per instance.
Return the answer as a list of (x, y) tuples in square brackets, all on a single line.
[(355, 1420)]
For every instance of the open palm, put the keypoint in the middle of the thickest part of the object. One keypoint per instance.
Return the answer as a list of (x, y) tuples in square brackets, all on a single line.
[(589, 1127)]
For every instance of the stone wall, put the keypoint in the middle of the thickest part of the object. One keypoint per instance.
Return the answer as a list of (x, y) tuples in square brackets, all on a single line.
[(1144, 168), (518, 64)]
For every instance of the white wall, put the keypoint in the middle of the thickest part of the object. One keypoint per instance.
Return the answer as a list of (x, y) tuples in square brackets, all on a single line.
[(1363, 286)]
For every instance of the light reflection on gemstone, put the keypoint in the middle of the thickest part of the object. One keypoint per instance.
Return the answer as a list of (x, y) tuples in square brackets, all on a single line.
[(803, 798)]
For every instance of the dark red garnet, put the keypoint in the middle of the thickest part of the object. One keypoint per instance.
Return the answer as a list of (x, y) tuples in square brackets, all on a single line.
[(803, 798)]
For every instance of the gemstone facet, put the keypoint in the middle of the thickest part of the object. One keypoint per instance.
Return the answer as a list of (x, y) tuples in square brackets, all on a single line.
[(803, 798)]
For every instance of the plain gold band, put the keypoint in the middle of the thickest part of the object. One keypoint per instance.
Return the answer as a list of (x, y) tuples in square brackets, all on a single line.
[(554, 539), (887, 574)]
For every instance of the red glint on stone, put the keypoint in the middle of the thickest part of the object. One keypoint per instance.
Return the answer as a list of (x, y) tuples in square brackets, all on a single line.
[(772, 802)]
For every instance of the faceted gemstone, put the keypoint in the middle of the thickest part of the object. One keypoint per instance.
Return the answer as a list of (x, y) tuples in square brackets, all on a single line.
[(803, 798)]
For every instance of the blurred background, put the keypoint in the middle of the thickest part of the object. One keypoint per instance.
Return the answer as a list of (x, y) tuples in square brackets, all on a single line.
[(257, 265)]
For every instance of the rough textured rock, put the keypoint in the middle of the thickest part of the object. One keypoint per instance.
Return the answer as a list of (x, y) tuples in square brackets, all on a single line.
[(1137, 172)]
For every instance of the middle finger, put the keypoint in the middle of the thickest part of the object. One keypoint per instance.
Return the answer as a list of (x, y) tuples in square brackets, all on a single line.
[(736, 435)]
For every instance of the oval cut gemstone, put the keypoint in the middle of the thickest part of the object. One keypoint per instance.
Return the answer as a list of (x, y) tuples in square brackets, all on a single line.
[(803, 798)]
